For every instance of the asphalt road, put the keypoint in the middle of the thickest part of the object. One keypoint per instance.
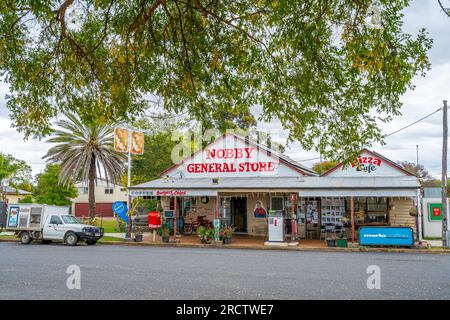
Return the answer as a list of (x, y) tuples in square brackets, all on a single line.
[(38, 271)]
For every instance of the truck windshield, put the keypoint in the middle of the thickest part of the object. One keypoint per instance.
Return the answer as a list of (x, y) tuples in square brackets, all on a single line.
[(70, 219)]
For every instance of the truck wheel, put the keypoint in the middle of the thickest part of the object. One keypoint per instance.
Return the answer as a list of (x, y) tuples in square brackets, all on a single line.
[(91, 242), (46, 241), (25, 238), (71, 239)]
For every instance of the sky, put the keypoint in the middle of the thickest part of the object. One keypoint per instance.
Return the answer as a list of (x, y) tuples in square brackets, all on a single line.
[(427, 97)]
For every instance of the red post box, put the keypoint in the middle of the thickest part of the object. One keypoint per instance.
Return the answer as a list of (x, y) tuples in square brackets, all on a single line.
[(154, 220)]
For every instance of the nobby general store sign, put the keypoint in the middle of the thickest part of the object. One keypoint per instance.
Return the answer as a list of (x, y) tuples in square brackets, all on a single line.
[(230, 156)]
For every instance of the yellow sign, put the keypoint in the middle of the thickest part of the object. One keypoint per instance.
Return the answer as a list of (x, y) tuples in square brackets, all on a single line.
[(120, 140), (137, 142)]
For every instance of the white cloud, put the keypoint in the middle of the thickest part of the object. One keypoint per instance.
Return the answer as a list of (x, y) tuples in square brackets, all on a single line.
[(13, 143)]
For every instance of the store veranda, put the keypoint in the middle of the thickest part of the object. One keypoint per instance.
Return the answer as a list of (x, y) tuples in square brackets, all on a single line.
[(241, 183)]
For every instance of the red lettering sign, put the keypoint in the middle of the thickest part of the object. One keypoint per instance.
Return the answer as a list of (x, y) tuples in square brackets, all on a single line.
[(229, 153), (436, 212), (171, 193), (363, 160), (260, 166)]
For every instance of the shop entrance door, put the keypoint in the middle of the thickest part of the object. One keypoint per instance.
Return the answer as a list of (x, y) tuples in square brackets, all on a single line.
[(239, 213)]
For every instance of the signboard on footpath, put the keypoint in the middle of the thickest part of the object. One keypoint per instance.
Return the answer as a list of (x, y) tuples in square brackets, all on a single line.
[(386, 236), (121, 209)]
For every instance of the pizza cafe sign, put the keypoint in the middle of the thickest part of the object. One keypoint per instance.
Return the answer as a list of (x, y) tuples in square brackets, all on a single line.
[(241, 158), (367, 164)]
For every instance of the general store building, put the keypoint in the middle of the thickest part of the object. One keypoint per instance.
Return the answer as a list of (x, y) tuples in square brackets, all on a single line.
[(238, 181)]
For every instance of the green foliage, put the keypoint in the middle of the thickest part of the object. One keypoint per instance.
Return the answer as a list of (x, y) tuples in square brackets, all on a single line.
[(24, 185), (156, 157), (227, 231), (49, 190), (326, 165), (317, 66), (163, 230), (15, 171), (82, 148), (205, 234), (26, 199)]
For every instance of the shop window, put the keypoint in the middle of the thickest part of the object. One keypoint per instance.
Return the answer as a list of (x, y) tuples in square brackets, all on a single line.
[(83, 190), (276, 203), (373, 210)]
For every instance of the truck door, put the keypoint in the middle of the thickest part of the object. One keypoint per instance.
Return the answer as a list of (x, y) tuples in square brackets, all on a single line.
[(54, 228)]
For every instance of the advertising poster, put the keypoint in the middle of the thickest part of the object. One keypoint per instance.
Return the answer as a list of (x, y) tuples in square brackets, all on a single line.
[(260, 211), (120, 140), (13, 217), (137, 142)]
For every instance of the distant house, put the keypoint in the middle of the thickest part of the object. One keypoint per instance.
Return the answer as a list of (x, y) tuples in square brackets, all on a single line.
[(105, 195), (13, 195)]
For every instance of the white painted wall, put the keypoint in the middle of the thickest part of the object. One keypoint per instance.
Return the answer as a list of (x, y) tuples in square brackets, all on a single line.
[(378, 167), (100, 195), (431, 228), (249, 155)]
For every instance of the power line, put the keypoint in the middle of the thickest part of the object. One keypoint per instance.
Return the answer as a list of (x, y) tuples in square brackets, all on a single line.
[(305, 160), (386, 135), (411, 124)]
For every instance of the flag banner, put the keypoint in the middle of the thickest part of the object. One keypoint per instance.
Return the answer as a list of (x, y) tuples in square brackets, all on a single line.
[(120, 140)]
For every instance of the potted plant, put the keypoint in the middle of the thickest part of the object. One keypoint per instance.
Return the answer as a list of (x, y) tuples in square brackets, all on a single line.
[(227, 234), (164, 232), (205, 234), (342, 240), (331, 241), (138, 236)]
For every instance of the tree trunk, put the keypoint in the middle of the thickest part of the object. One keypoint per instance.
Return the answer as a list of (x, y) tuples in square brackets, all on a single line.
[(92, 176)]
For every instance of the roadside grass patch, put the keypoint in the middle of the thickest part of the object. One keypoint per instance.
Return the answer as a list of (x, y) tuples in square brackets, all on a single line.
[(108, 224), (110, 239)]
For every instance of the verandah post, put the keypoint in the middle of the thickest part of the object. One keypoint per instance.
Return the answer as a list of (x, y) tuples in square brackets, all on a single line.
[(352, 218), (175, 207)]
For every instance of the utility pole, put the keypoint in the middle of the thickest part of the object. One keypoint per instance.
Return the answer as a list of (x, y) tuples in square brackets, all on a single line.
[(417, 155), (445, 235), (129, 226), (418, 200)]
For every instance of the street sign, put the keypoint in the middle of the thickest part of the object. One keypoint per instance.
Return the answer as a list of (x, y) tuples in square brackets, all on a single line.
[(121, 209)]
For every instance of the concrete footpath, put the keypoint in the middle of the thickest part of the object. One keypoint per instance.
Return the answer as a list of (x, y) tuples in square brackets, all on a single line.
[(303, 245)]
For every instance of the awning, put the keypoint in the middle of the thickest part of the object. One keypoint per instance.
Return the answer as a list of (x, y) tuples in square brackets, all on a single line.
[(173, 193), (358, 193)]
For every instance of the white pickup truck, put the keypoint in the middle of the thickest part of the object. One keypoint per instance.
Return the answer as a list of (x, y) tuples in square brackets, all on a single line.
[(49, 223)]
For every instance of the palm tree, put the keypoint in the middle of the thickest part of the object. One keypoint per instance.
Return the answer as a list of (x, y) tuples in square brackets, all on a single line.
[(83, 150)]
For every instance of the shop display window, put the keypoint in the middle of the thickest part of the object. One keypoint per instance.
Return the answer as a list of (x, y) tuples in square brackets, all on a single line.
[(369, 210)]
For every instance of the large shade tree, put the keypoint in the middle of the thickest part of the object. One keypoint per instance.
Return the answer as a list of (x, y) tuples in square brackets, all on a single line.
[(13, 172), (85, 151), (332, 68), (50, 190)]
